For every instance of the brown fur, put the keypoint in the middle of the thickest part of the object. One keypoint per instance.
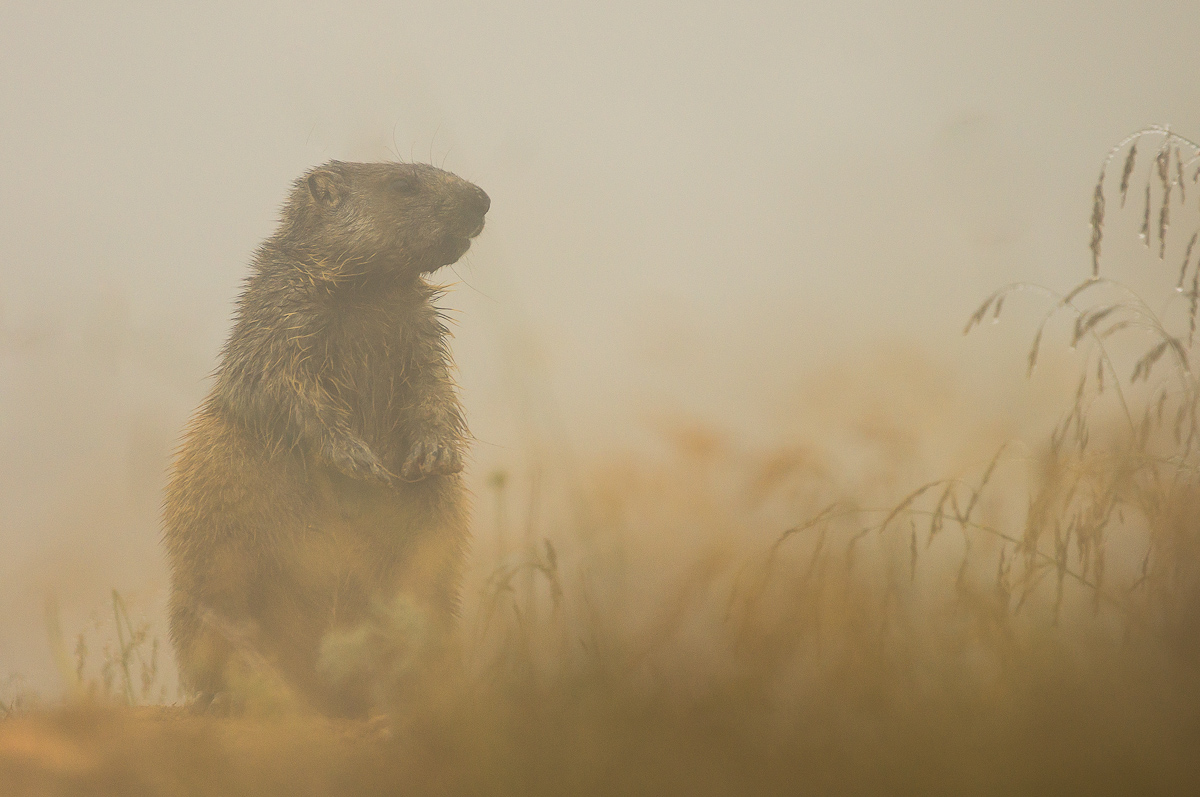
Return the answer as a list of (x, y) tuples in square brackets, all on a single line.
[(316, 517)]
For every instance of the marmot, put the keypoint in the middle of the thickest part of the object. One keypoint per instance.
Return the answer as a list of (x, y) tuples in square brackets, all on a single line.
[(315, 517)]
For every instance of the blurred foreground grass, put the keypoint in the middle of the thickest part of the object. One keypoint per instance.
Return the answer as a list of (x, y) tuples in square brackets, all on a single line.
[(670, 640)]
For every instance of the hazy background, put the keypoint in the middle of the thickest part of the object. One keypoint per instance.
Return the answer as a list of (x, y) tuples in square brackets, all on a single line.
[(695, 207)]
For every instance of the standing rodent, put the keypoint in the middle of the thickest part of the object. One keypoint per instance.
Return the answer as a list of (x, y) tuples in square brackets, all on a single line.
[(315, 517)]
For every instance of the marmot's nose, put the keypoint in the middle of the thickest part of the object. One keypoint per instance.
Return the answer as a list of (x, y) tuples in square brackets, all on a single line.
[(480, 201)]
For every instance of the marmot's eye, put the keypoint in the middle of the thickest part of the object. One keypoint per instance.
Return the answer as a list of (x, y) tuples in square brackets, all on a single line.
[(403, 185)]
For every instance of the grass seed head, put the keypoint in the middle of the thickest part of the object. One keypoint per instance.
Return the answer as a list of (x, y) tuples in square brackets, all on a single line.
[(1144, 233), (1097, 223), (1128, 170)]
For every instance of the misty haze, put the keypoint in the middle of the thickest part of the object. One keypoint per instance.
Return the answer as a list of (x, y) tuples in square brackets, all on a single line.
[(746, 511)]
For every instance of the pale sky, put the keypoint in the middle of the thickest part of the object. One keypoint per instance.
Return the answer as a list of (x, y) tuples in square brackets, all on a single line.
[(691, 203)]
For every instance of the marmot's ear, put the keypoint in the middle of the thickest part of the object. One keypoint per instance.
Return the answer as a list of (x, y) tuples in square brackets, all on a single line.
[(326, 188)]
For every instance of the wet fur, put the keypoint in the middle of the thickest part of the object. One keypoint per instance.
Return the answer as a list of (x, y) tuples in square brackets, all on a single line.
[(320, 480)]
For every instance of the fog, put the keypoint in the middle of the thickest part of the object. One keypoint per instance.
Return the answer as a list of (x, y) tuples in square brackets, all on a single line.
[(694, 206)]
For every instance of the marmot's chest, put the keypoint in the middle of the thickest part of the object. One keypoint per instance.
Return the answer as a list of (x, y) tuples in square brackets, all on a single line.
[(375, 374)]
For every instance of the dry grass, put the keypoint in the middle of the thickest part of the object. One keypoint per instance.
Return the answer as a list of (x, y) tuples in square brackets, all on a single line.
[(718, 620)]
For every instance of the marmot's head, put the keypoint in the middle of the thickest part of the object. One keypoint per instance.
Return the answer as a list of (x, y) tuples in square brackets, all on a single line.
[(408, 216)]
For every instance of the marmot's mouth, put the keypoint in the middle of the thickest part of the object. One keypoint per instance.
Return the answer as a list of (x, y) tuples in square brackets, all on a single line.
[(450, 251), (455, 246)]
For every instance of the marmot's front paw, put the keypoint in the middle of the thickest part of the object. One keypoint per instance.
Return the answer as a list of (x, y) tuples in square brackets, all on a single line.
[(355, 459), (430, 458)]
